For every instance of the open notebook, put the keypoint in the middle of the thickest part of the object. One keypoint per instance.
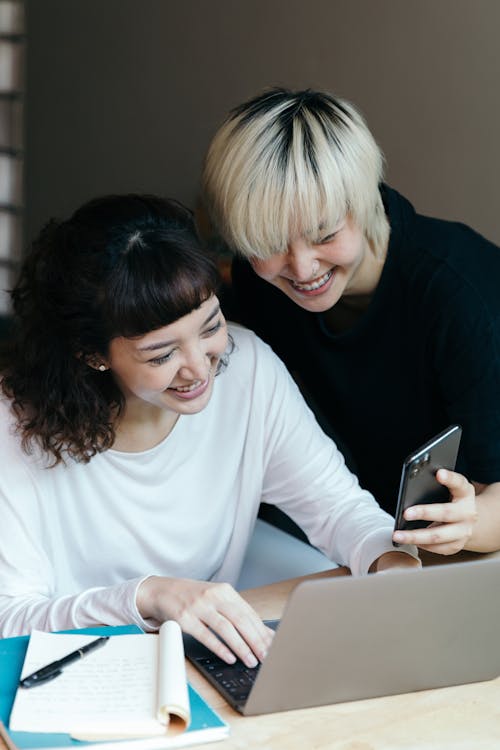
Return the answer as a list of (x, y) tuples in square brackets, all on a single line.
[(133, 687)]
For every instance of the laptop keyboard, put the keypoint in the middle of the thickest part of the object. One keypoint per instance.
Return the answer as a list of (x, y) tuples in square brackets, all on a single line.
[(234, 679)]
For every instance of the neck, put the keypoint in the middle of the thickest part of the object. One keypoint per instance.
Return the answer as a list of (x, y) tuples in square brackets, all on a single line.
[(352, 305), (142, 426), (367, 276)]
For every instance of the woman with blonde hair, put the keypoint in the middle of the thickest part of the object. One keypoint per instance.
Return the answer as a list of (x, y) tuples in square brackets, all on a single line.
[(388, 319)]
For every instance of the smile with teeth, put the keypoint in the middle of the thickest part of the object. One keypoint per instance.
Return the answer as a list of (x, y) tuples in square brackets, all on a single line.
[(188, 388), (312, 286)]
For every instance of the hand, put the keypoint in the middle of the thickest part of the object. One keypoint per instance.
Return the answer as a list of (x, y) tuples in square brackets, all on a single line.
[(452, 522), (201, 607), (393, 561)]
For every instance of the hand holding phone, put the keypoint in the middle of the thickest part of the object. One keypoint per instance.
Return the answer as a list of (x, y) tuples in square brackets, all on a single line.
[(419, 485)]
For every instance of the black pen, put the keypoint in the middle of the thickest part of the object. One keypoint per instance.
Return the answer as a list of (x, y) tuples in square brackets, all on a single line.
[(55, 668)]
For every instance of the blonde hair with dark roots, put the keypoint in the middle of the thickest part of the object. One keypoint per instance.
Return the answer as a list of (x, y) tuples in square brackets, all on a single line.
[(285, 164)]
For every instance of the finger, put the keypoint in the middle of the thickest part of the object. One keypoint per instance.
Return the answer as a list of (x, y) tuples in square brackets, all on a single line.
[(234, 621), (453, 512), (249, 626), (203, 634), (243, 618), (196, 612), (206, 610), (225, 630), (433, 535), (450, 548), (458, 485)]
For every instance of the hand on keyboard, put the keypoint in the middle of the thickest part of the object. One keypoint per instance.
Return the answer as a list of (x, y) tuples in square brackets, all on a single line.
[(213, 613)]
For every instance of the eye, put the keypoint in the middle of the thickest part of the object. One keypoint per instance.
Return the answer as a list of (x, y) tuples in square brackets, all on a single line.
[(162, 359), (213, 329), (328, 238)]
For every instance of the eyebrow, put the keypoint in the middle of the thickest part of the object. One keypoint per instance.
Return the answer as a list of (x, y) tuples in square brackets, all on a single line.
[(163, 344), (324, 226)]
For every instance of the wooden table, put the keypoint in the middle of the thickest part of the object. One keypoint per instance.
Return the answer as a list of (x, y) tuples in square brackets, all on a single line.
[(464, 717)]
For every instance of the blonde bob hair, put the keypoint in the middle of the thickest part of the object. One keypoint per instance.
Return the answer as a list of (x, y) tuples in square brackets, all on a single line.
[(287, 164)]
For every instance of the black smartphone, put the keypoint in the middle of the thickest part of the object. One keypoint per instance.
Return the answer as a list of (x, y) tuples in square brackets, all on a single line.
[(418, 479)]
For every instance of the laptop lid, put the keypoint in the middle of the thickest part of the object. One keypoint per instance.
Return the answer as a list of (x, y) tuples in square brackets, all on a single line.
[(343, 638)]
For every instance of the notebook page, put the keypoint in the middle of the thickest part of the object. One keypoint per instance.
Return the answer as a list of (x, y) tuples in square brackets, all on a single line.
[(173, 700), (111, 691)]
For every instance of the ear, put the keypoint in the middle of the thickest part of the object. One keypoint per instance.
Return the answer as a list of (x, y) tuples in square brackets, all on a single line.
[(95, 361)]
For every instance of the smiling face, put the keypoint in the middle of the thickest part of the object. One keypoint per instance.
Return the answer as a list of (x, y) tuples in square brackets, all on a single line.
[(173, 367), (315, 275)]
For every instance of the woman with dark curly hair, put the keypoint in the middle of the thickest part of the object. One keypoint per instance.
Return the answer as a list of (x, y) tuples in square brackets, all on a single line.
[(132, 475)]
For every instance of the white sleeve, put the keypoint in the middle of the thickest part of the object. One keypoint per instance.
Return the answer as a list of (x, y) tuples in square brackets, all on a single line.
[(27, 598), (305, 475)]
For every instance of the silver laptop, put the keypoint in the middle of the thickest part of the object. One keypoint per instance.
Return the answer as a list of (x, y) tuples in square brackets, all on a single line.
[(342, 639)]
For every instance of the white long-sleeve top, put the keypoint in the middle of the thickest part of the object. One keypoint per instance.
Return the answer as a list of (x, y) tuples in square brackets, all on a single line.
[(76, 540)]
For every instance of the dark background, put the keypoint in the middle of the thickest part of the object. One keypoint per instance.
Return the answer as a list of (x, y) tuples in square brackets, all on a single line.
[(124, 95)]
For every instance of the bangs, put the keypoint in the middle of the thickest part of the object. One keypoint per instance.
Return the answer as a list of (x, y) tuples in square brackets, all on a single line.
[(277, 170), (290, 196), (154, 284)]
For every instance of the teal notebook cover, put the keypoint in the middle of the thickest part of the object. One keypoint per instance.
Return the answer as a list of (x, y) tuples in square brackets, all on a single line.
[(205, 725)]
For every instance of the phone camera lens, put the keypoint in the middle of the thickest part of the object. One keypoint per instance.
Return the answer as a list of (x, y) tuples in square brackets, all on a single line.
[(419, 464)]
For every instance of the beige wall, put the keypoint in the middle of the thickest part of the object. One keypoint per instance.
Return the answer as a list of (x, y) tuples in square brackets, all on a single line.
[(123, 95)]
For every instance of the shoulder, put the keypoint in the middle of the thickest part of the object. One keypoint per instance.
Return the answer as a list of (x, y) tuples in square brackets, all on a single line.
[(252, 364), (441, 258), (14, 457), (247, 344), (449, 241), (244, 339), (456, 244), (8, 423), (17, 465)]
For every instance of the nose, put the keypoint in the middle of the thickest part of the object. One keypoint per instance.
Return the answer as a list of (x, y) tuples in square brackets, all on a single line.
[(301, 263), (196, 365)]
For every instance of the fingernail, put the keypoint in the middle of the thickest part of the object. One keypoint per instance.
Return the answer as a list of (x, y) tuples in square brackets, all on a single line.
[(251, 661), (230, 658), (410, 513), (399, 536)]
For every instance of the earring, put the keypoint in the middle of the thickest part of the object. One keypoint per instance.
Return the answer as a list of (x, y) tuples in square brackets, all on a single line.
[(102, 368)]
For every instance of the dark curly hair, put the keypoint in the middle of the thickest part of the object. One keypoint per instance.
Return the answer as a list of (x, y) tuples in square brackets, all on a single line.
[(120, 266)]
